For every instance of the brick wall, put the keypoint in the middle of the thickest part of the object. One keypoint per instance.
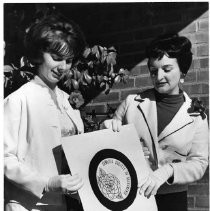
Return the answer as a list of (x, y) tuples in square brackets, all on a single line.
[(129, 27)]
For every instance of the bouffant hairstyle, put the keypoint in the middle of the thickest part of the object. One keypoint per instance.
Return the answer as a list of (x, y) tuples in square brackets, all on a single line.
[(173, 46), (56, 35)]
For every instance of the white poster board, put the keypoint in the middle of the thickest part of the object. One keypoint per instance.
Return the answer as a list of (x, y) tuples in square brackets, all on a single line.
[(111, 164)]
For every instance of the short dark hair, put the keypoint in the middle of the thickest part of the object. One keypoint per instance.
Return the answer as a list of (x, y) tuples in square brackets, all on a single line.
[(173, 46), (54, 34)]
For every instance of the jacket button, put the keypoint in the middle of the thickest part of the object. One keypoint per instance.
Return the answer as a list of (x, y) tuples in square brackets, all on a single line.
[(164, 147), (176, 161)]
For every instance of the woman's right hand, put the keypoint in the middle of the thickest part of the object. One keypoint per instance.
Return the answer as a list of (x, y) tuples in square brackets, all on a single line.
[(66, 184), (113, 124)]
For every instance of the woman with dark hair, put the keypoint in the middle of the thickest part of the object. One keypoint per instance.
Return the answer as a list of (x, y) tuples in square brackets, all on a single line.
[(36, 116), (170, 125)]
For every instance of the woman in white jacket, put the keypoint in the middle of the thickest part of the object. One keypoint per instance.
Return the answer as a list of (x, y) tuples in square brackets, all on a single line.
[(170, 125), (36, 116)]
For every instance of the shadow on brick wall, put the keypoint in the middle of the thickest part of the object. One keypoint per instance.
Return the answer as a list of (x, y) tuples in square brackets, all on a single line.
[(127, 26), (130, 26)]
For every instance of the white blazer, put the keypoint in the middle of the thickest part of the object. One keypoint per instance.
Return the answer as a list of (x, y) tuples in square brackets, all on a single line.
[(183, 142), (32, 136)]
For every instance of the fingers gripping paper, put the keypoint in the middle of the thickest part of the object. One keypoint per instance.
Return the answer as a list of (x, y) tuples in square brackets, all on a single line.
[(111, 165)]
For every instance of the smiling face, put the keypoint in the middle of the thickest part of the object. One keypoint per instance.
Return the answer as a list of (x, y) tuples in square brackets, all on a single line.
[(165, 74), (52, 69)]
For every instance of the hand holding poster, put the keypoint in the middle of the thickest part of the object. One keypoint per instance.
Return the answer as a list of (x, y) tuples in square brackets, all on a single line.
[(111, 165)]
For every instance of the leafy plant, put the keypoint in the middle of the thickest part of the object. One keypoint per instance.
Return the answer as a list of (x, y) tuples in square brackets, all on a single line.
[(92, 122), (94, 72), (15, 77)]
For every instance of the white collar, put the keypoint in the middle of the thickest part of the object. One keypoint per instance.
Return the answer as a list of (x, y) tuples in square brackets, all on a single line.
[(39, 81)]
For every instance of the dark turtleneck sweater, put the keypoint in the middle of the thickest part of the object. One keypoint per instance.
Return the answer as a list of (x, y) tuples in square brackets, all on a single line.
[(167, 107)]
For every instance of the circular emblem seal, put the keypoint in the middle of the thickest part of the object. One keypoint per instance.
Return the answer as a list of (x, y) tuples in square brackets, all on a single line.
[(113, 179)]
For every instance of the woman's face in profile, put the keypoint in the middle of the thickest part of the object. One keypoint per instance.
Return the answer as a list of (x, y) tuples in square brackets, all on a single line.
[(165, 74), (52, 69)]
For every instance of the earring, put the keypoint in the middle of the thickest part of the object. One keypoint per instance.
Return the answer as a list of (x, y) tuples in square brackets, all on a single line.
[(181, 80)]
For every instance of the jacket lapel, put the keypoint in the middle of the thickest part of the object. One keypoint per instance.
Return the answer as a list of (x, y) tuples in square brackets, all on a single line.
[(147, 107), (149, 111), (180, 120)]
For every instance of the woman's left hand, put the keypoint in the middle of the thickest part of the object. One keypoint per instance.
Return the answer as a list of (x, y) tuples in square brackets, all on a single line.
[(65, 183), (155, 179), (113, 124)]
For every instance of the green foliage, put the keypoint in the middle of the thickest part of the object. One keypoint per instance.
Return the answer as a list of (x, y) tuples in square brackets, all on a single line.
[(15, 77), (93, 73)]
